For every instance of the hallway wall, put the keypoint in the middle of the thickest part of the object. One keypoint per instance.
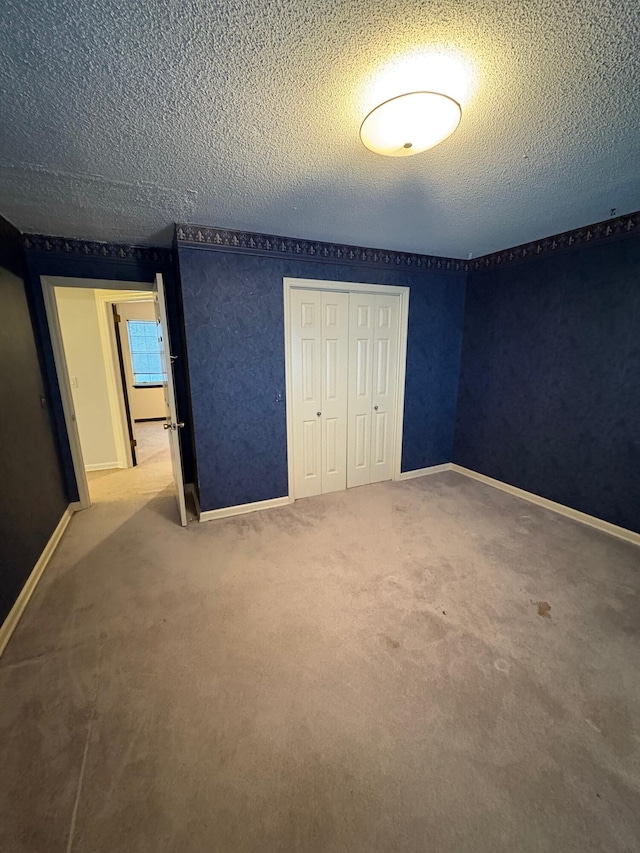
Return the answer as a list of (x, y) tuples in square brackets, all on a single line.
[(85, 358)]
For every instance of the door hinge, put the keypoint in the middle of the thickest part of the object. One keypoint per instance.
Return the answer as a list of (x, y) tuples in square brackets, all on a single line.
[(117, 318), (134, 443)]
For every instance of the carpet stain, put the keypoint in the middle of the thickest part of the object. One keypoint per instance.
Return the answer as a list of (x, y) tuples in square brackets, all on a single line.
[(393, 644), (543, 609)]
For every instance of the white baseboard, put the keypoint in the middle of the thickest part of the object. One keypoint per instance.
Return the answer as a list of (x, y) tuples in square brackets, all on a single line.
[(422, 472), (10, 623), (241, 509), (102, 466), (561, 509), (190, 489)]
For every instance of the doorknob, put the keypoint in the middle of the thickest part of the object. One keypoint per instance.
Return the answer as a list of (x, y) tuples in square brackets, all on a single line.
[(173, 426), (166, 426), (318, 413), (376, 408)]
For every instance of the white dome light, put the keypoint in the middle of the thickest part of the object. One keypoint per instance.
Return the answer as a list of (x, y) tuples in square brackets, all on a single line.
[(410, 124)]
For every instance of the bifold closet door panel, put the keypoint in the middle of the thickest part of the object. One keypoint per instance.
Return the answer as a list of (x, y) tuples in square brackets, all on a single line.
[(335, 353), (306, 387), (361, 344), (386, 322), (319, 363), (373, 387)]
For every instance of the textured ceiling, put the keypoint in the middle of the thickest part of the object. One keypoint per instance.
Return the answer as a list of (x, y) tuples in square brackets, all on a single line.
[(120, 117)]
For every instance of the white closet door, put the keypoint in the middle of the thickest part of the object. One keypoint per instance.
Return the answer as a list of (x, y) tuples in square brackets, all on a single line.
[(335, 333), (361, 344), (386, 320), (306, 360), (319, 353)]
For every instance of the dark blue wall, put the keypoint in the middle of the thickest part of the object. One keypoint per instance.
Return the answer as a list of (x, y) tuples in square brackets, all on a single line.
[(32, 495), (234, 320), (549, 393)]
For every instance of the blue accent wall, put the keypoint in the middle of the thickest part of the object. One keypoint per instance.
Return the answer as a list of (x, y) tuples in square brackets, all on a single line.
[(549, 393), (234, 322)]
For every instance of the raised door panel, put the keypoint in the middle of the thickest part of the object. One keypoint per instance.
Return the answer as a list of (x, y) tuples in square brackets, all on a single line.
[(335, 332), (306, 389), (361, 346), (385, 386)]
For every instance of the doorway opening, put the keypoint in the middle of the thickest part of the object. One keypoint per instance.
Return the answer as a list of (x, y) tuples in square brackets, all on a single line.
[(115, 376)]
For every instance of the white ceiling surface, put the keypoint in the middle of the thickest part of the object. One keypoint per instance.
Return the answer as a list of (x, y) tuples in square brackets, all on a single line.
[(120, 117)]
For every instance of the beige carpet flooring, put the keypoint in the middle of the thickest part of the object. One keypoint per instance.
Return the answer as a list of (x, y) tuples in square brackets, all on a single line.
[(430, 665), (151, 475)]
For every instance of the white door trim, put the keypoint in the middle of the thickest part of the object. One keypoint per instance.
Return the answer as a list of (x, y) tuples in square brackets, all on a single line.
[(55, 333), (117, 405), (346, 287)]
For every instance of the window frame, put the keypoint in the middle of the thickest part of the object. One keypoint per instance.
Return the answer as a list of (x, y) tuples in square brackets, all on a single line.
[(147, 351)]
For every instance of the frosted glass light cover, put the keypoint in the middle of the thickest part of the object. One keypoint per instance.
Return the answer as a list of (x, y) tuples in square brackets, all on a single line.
[(410, 124)]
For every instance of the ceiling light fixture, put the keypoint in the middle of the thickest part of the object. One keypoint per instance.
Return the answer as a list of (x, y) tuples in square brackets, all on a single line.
[(410, 124)]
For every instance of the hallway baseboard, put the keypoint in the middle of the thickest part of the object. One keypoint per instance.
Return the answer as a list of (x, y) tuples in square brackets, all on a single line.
[(561, 509), (102, 466), (10, 623)]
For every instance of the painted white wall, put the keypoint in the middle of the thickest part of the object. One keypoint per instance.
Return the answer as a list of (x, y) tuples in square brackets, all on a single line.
[(146, 403), (78, 313)]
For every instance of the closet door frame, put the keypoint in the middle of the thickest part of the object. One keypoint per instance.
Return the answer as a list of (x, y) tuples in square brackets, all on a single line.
[(290, 284)]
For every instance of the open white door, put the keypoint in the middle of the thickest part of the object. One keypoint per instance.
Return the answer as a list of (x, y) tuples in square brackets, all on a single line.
[(172, 424)]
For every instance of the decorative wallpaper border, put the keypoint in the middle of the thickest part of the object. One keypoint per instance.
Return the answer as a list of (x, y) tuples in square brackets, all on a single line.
[(621, 226), (95, 249), (271, 244)]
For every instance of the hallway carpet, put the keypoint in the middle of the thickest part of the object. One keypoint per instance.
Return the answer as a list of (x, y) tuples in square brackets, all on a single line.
[(430, 665), (151, 475)]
